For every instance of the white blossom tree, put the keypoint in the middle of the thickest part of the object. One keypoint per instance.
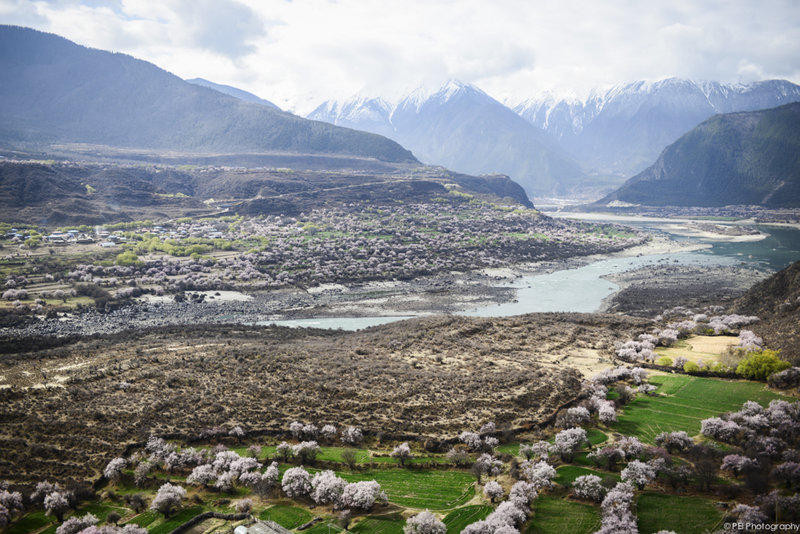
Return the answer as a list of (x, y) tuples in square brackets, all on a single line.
[(424, 523), (540, 474), (588, 487), (76, 524), (362, 495), (493, 491), (327, 488), (402, 452), (113, 470), (56, 504), (352, 435), (296, 482), (638, 473), (168, 497)]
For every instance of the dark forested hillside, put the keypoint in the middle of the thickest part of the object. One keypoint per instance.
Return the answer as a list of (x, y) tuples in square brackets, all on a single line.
[(55, 91), (776, 301), (735, 158)]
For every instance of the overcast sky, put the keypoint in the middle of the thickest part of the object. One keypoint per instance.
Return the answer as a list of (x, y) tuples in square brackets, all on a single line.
[(297, 53)]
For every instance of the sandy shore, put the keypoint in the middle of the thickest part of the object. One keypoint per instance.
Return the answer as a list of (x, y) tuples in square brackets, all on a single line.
[(678, 226)]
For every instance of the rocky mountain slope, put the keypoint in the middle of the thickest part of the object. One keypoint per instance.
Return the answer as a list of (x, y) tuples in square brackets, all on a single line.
[(461, 127), (737, 158), (54, 91), (58, 193), (776, 301), (623, 129)]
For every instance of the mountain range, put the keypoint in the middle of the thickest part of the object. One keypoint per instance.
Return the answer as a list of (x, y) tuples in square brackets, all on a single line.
[(749, 157), (575, 147), (54, 91), (233, 91), (622, 130), (462, 128)]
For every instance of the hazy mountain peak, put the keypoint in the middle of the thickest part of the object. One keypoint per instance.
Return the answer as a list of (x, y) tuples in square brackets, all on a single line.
[(622, 129), (56, 91), (232, 91)]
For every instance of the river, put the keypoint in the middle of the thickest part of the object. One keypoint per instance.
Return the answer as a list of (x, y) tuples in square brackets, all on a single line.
[(582, 289)]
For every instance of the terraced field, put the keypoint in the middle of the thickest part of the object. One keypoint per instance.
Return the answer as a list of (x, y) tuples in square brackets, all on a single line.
[(380, 525), (687, 515), (566, 474), (554, 515), (461, 517), (286, 515), (684, 401), (434, 490)]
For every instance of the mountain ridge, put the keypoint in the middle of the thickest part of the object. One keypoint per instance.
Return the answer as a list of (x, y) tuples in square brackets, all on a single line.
[(624, 128), (232, 91), (747, 157), (56, 91), (459, 126)]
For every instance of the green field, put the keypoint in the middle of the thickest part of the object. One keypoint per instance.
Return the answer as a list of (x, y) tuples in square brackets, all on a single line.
[(509, 448), (176, 520), (286, 515), (596, 436), (37, 519), (30, 522), (145, 518), (461, 517), (379, 525), (566, 474), (684, 401), (334, 454), (553, 515), (687, 515), (435, 490), (324, 527)]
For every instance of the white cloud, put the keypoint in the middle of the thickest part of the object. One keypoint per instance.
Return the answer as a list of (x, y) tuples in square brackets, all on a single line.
[(298, 52)]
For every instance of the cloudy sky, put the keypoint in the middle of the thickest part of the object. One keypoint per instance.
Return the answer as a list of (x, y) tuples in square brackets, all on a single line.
[(297, 53)]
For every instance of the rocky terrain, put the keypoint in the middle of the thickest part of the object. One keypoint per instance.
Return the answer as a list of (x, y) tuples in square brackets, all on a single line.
[(648, 291), (66, 409), (776, 300)]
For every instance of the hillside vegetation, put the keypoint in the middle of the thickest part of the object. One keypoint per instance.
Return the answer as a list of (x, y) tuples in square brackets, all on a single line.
[(736, 158), (55, 91), (776, 301)]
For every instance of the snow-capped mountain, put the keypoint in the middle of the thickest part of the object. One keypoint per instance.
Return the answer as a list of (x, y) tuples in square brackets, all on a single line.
[(461, 127), (622, 130)]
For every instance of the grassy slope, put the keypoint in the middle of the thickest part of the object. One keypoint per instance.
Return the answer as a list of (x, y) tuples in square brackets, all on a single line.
[(461, 517), (685, 402), (434, 490), (684, 514), (560, 516)]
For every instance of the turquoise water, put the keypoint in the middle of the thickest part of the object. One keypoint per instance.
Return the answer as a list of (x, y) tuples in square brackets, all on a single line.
[(777, 251), (583, 289)]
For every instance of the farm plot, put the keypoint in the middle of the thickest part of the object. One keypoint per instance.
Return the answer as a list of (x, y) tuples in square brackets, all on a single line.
[(286, 516), (461, 517), (555, 515), (684, 514), (683, 401), (434, 490), (695, 348), (566, 474), (173, 522), (380, 525)]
